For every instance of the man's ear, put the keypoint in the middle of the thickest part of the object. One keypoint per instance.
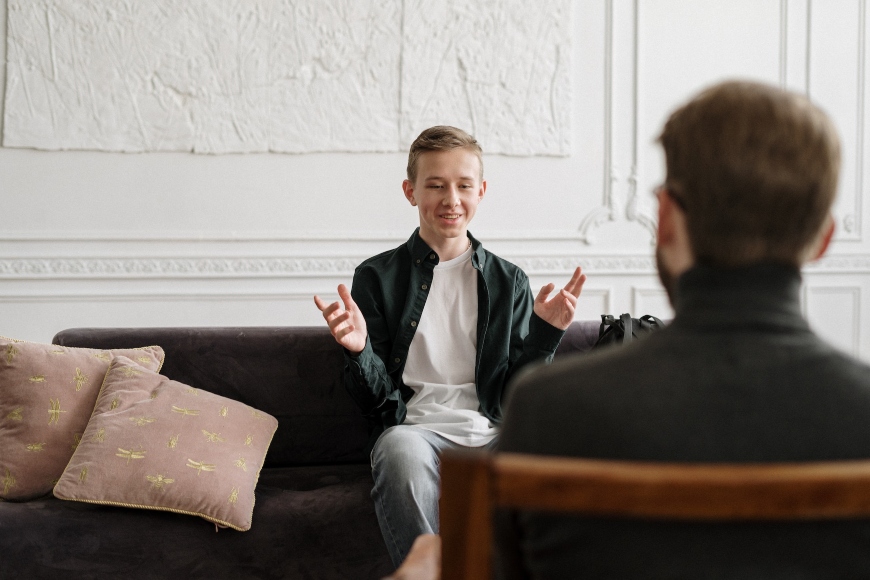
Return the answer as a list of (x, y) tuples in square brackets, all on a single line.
[(408, 189), (826, 237), (666, 229), (482, 191)]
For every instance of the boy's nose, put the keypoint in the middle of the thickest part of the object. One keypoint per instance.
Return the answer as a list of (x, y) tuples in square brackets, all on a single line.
[(451, 198)]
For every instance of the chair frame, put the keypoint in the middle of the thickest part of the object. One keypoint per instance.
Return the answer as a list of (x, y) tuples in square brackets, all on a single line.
[(475, 483)]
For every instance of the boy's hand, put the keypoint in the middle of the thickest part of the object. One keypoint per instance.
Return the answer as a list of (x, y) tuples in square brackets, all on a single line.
[(559, 311), (347, 326)]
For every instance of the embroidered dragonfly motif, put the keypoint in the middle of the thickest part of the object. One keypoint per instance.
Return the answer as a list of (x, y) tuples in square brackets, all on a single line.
[(158, 481), (173, 441), (192, 391), (61, 351), (77, 438), (130, 372), (37, 379), (11, 351), (114, 405), (183, 411), (83, 476), (213, 437), (143, 359), (36, 447), (234, 496), (140, 421), (8, 482), (224, 411), (249, 440), (54, 412), (103, 356), (200, 466), (240, 463), (79, 379), (130, 454), (100, 435), (15, 415)]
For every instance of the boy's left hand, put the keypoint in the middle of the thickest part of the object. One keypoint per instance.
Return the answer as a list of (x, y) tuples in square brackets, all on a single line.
[(559, 311)]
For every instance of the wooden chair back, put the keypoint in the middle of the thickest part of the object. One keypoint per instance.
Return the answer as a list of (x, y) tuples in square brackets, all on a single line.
[(475, 483)]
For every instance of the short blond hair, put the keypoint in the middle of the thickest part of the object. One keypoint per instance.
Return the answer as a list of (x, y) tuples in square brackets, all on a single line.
[(755, 169), (441, 138)]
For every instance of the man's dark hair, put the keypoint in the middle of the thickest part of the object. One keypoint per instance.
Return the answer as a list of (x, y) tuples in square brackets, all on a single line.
[(755, 169)]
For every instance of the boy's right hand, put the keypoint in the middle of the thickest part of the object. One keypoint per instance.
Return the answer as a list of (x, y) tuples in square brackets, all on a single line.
[(348, 325)]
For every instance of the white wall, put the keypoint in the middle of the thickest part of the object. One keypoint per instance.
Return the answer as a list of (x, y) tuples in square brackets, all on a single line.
[(164, 239)]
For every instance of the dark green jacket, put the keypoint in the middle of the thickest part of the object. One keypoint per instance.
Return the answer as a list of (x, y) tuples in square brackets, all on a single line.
[(391, 289)]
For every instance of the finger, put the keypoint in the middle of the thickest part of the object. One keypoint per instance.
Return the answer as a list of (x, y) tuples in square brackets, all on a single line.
[(572, 300), (576, 282), (344, 331), (345, 296), (330, 310), (319, 303), (336, 321), (545, 291)]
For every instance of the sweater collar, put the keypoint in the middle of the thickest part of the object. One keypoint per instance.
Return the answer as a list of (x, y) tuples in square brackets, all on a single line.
[(759, 295)]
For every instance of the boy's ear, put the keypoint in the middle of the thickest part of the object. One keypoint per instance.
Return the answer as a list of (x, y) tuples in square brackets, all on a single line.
[(408, 189), (825, 238), (482, 190)]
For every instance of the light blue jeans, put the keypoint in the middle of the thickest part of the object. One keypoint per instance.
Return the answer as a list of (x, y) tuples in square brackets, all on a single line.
[(405, 467)]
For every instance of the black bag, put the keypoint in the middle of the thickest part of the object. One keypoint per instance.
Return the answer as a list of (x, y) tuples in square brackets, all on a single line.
[(624, 329)]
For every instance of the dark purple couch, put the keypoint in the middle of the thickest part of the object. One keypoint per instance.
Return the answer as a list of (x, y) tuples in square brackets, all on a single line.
[(313, 518)]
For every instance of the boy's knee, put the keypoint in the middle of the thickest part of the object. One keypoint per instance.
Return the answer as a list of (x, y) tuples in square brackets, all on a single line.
[(402, 447)]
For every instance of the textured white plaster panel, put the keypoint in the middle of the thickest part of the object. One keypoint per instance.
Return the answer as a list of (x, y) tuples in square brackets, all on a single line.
[(223, 76), (501, 68)]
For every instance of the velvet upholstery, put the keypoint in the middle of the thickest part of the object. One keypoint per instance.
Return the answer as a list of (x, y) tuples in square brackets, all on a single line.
[(313, 517)]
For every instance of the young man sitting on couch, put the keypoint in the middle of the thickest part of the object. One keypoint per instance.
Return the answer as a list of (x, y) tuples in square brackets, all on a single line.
[(433, 330)]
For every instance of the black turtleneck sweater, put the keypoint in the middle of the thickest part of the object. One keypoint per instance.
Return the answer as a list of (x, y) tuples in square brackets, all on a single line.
[(738, 376)]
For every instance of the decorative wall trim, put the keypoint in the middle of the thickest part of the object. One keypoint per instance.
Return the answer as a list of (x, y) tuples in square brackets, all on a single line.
[(312, 267)]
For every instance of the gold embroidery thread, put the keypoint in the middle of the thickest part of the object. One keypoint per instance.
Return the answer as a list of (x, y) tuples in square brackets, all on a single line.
[(130, 454), (158, 481), (143, 359), (103, 356), (213, 437), (249, 439), (130, 372), (77, 438), (100, 435), (36, 447), (15, 415), (183, 411), (173, 441), (257, 415), (114, 404), (83, 476), (61, 351), (79, 379), (11, 351), (8, 482), (140, 421), (37, 379), (224, 411), (240, 463), (200, 466), (234, 496), (54, 412)]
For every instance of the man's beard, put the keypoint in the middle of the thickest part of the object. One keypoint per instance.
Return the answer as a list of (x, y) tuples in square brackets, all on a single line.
[(667, 278)]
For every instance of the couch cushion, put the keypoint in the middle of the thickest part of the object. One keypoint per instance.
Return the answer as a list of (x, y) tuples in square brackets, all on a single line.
[(292, 373), (47, 393), (311, 522), (155, 443)]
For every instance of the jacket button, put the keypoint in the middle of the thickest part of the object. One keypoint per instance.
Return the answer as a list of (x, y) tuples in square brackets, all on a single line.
[(397, 360), (424, 287), (431, 256), (414, 323), (418, 261)]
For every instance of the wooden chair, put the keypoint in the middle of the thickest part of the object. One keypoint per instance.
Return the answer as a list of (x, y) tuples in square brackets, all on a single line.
[(474, 483)]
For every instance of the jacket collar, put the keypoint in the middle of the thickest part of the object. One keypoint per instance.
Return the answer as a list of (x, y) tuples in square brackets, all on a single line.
[(760, 295), (421, 253)]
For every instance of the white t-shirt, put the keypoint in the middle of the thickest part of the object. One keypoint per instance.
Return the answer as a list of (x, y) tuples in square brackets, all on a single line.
[(442, 355)]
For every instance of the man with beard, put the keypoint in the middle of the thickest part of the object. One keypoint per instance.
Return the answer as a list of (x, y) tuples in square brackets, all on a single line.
[(738, 376)]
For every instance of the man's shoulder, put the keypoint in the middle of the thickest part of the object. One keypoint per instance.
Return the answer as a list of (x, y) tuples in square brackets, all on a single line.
[(499, 266), (397, 255)]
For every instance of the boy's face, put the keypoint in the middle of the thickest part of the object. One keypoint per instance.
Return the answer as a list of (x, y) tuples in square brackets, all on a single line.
[(446, 193)]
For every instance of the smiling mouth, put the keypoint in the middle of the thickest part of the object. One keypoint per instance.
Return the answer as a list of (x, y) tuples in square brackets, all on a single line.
[(451, 216)]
